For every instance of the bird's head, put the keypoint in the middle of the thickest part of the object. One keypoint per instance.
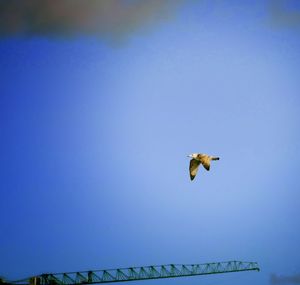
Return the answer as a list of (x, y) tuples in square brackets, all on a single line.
[(193, 155)]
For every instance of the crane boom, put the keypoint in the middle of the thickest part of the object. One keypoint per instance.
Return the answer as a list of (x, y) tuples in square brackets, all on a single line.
[(138, 273)]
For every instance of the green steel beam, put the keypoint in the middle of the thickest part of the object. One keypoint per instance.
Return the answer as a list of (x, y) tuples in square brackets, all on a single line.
[(138, 273)]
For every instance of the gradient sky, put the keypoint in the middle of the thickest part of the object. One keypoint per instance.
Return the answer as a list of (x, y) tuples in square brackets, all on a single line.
[(94, 136)]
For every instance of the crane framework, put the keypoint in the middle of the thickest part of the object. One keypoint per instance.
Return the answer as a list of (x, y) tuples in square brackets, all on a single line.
[(138, 273)]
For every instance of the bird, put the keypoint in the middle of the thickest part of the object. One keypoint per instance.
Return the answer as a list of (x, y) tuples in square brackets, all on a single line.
[(197, 159)]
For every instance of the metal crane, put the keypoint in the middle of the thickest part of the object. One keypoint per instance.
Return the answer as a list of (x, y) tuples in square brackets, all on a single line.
[(137, 273)]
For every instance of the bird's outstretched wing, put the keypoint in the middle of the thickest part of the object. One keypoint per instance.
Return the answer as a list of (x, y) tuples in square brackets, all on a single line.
[(194, 166), (206, 162)]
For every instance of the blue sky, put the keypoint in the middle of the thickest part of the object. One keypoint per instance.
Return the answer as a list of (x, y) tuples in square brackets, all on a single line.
[(94, 136)]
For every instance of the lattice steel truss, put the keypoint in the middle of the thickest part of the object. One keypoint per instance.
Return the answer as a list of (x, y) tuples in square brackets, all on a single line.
[(139, 273)]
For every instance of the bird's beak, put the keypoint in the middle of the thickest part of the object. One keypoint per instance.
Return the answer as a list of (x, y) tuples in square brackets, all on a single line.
[(189, 155)]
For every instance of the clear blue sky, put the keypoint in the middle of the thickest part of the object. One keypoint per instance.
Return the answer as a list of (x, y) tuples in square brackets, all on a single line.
[(94, 136)]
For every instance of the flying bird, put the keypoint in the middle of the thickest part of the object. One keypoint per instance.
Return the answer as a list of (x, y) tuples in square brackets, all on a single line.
[(197, 159)]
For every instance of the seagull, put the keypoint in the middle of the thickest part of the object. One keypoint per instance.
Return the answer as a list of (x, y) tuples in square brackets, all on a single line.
[(197, 159)]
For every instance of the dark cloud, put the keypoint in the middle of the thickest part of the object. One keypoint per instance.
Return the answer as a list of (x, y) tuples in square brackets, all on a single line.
[(283, 14), (108, 18), (293, 279)]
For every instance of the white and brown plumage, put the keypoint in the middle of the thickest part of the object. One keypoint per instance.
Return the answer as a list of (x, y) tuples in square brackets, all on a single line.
[(197, 159)]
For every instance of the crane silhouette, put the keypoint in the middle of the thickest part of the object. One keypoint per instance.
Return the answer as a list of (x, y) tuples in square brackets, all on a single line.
[(136, 273)]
